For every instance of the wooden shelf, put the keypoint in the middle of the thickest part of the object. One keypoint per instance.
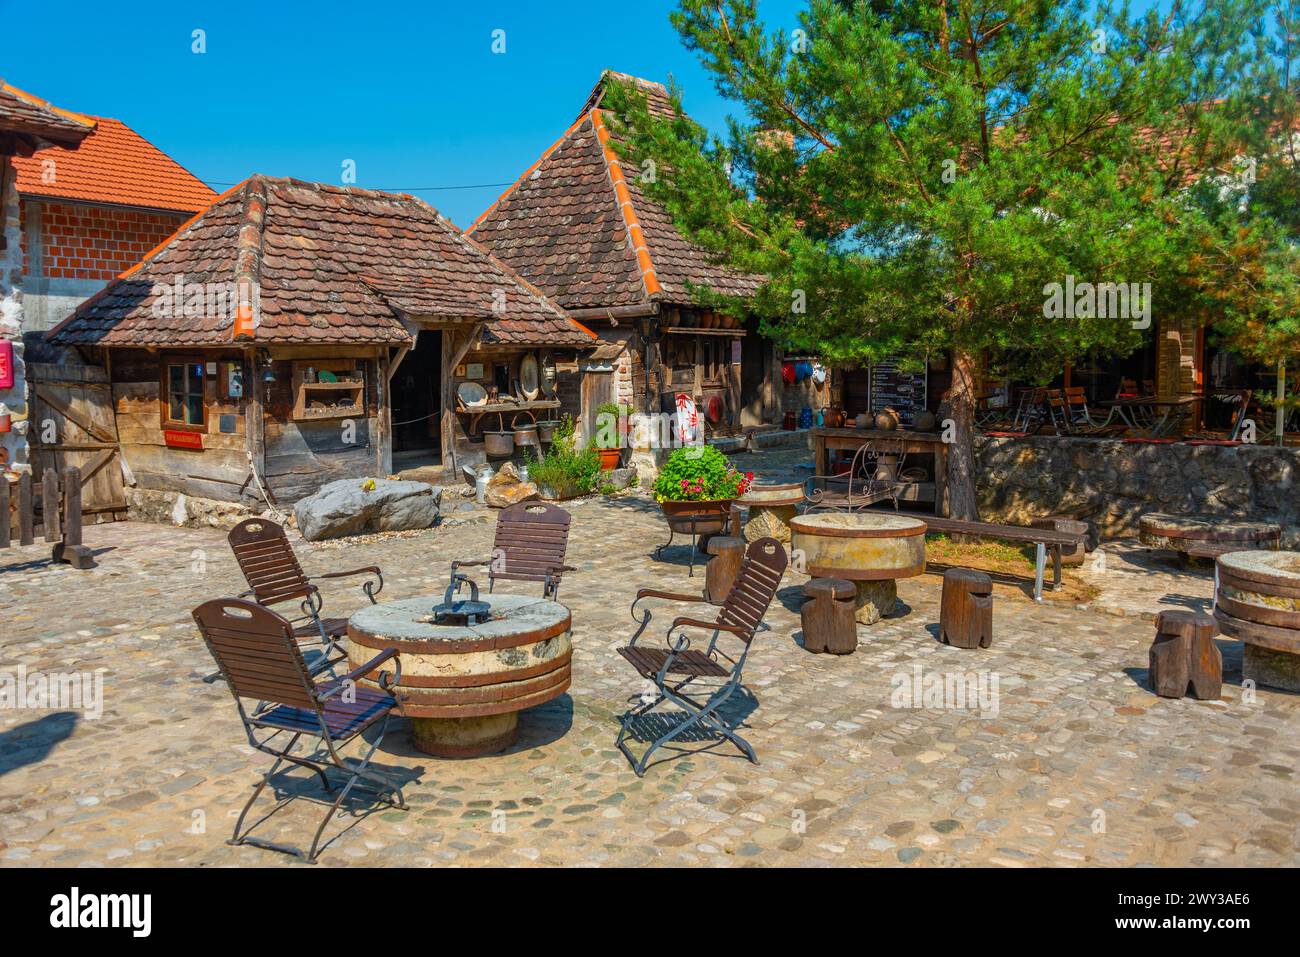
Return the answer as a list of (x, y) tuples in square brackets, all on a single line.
[(685, 331), (350, 382)]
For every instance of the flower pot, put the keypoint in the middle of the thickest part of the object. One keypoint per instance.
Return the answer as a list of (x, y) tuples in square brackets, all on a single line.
[(609, 458), (709, 517)]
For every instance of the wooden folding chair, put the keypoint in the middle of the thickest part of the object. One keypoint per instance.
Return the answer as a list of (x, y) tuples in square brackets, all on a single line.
[(271, 569), (529, 545), (258, 655), (674, 669)]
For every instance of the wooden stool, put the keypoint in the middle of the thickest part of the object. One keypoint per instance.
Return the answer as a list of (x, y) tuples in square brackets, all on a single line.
[(966, 609), (1070, 557), (720, 574), (1184, 656), (827, 616)]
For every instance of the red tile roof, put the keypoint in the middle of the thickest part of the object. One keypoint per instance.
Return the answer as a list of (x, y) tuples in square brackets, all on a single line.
[(579, 229), (114, 164), (333, 265), (31, 116)]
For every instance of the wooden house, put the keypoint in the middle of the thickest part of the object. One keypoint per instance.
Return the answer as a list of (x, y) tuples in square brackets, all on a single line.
[(578, 226), (295, 333)]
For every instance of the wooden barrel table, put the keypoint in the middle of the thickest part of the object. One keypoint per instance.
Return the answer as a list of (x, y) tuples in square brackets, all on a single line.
[(770, 509), (1179, 532), (870, 549), (463, 686), (1257, 600)]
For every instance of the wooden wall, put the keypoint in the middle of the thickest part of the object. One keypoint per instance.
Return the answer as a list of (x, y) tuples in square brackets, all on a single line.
[(218, 471), (302, 456)]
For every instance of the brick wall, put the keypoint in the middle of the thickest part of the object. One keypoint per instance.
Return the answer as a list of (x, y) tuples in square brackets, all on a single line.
[(79, 241)]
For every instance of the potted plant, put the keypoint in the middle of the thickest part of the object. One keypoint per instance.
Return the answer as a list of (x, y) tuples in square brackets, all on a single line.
[(563, 471), (608, 440), (698, 479)]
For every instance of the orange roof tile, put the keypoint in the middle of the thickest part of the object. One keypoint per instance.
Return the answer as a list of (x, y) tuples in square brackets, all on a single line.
[(117, 165)]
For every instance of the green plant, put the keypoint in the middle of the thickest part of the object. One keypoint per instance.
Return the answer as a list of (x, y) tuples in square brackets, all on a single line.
[(699, 474), (609, 416), (564, 468)]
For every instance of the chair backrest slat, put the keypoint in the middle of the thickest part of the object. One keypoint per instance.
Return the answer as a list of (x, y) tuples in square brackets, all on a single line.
[(256, 651), (756, 584), (268, 561), (530, 539)]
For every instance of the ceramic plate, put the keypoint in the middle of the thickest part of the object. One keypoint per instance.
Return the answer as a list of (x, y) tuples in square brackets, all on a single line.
[(472, 394)]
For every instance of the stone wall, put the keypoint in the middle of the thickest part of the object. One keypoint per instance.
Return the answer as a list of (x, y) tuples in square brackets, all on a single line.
[(1112, 483), (13, 444)]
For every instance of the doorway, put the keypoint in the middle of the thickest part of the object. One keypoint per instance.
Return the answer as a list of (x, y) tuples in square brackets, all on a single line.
[(417, 404)]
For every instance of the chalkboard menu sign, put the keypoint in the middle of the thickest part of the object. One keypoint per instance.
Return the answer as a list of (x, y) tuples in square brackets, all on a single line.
[(904, 392)]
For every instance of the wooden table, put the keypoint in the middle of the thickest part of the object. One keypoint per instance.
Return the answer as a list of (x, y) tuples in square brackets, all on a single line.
[(463, 686), (1172, 412), (827, 440)]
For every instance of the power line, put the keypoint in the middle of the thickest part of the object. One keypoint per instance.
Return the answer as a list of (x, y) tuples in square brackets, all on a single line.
[(396, 189)]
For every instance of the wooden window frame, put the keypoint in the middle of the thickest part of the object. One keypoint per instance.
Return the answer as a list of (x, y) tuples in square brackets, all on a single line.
[(164, 391)]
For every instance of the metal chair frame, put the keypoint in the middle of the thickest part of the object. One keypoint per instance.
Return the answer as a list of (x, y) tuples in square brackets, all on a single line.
[(708, 516), (259, 631), (529, 543), (740, 616), (270, 566)]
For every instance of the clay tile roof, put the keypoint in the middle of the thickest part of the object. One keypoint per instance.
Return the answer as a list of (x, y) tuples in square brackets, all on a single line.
[(31, 116), (332, 265), (114, 164), (575, 226)]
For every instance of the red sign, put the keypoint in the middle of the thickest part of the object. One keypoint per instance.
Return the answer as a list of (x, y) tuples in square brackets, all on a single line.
[(178, 439), (6, 364)]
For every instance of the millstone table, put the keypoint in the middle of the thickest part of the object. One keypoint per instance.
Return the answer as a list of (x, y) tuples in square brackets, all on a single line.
[(1257, 599), (463, 686), (1179, 533), (770, 509), (870, 549)]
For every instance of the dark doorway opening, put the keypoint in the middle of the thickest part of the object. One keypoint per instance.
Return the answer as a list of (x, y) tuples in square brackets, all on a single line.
[(417, 405)]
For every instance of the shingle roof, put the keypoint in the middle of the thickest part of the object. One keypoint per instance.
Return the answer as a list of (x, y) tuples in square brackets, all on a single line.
[(114, 164), (31, 116), (584, 233), (332, 265)]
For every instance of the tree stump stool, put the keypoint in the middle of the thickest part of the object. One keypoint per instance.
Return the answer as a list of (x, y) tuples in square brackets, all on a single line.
[(1070, 557), (1184, 656), (720, 574), (828, 618), (966, 609)]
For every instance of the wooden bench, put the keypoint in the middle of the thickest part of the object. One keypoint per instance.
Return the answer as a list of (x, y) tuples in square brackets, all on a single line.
[(1043, 539)]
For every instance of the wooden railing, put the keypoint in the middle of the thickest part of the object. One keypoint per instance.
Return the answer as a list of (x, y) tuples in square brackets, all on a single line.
[(60, 515)]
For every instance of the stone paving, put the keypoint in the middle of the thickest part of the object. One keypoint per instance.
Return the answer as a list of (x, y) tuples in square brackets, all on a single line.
[(1072, 762)]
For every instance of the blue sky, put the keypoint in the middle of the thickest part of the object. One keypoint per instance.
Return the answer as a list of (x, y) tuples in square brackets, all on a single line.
[(411, 91)]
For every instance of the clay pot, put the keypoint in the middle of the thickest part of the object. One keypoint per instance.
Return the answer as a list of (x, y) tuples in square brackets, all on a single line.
[(609, 458), (886, 420), (924, 421), (863, 421)]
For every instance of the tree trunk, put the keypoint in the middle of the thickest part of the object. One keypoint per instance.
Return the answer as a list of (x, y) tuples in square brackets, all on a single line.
[(961, 452)]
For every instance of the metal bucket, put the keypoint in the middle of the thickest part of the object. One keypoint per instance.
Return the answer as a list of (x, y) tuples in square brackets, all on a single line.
[(526, 435), (546, 429), (499, 443)]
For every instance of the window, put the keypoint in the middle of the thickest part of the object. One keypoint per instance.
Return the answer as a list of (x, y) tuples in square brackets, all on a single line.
[(182, 385)]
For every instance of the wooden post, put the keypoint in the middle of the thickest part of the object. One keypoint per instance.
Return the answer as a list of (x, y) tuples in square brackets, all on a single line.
[(1279, 426), (4, 511), (25, 509), (50, 505), (71, 550)]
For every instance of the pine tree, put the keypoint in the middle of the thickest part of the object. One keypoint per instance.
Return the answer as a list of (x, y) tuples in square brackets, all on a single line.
[(912, 176)]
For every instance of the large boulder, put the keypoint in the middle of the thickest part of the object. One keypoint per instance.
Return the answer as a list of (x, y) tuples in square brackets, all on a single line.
[(506, 488), (355, 506)]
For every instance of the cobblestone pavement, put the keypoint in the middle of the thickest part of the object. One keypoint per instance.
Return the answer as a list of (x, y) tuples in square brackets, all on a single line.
[(1074, 762)]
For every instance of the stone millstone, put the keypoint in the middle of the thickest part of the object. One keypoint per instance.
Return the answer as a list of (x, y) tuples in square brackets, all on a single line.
[(769, 521), (357, 506), (1272, 669), (875, 600)]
